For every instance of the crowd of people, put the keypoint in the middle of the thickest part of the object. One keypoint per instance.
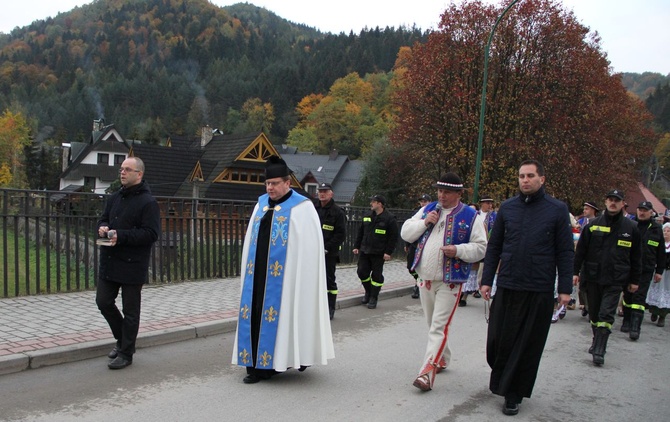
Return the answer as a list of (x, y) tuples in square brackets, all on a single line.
[(526, 258)]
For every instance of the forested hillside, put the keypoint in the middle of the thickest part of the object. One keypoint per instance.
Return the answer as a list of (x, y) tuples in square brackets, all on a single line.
[(153, 67)]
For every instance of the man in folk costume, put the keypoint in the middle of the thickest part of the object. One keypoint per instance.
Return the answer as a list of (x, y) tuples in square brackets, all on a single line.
[(450, 237), (283, 317)]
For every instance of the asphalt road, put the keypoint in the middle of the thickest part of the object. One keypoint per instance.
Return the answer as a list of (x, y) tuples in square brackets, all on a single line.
[(378, 355)]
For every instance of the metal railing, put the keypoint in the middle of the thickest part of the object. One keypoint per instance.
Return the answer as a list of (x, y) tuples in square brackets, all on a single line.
[(47, 240)]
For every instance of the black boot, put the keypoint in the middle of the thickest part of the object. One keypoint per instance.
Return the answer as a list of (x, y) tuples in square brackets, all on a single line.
[(332, 301), (625, 325), (366, 298), (599, 349), (415, 292), (636, 318), (374, 295), (593, 339)]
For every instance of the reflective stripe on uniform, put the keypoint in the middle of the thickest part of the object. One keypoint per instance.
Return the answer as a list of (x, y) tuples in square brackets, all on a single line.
[(602, 324), (380, 231), (652, 243), (327, 227), (603, 229), (624, 243)]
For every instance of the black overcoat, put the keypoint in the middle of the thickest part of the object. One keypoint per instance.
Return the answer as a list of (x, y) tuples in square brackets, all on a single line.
[(134, 214)]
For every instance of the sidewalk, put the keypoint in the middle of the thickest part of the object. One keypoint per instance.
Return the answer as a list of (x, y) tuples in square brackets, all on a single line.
[(46, 330)]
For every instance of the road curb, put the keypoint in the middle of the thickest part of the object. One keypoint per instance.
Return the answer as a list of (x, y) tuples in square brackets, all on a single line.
[(19, 362)]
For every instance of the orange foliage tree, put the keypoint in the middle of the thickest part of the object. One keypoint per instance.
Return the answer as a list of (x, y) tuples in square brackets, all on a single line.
[(550, 96)]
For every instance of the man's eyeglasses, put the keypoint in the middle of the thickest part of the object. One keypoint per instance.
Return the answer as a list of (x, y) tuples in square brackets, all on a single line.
[(127, 170)]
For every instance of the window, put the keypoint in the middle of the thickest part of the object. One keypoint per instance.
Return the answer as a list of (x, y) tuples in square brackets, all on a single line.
[(119, 159), (311, 188), (103, 159), (89, 183)]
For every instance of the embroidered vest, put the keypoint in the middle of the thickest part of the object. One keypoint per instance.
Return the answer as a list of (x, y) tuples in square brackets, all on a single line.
[(273, 286), (458, 228)]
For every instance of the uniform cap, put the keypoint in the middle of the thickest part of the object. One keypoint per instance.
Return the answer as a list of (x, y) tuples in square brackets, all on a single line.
[(615, 193)]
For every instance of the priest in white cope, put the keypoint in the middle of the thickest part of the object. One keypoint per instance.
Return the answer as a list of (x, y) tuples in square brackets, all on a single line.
[(283, 319)]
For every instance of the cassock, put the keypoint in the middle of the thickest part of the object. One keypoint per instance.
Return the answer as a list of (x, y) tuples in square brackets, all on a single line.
[(283, 319)]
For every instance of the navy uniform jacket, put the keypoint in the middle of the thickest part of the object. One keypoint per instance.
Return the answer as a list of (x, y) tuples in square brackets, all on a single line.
[(609, 251), (378, 234)]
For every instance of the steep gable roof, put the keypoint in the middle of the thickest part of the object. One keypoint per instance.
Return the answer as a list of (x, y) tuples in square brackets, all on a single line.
[(107, 140)]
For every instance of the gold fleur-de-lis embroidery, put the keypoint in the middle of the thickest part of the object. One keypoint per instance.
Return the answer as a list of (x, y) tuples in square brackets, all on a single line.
[(244, 312), (250, 267), (271, 314), (265, 208), (275, 269), (265, 359), (244, 356)]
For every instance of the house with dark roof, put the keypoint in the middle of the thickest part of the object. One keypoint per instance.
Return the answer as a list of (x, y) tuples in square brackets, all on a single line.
[(343, 174), (212, 166), (93, 165)]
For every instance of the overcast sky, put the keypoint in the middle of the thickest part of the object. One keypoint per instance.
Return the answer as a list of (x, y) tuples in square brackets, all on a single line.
[(634, 33)]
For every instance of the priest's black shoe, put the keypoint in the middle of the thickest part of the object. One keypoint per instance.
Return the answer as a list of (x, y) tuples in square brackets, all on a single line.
[(114, 353), (119, 363), (510, 408), (251, 379)]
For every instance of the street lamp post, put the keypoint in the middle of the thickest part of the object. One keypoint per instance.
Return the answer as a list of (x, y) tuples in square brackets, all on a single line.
[(480, 138)]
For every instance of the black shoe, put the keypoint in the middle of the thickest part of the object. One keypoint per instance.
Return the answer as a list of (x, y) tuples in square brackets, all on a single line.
[(510, 408), (462, 303), (114, 353), (415, 292), (251, 379), (477, 294), (654, 317), (584, 312), (372, 304), (332, 313), (119, 363)]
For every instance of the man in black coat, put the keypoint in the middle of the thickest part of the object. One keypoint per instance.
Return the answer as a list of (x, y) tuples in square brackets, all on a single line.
[(375, 243), (130, 224), (608, 259), (333, 226), (653, 265), (530, 242)]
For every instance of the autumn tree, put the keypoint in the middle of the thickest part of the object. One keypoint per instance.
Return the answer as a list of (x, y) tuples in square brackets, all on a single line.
[(14, 135), (353, 115), (258, 116), (550, 96)]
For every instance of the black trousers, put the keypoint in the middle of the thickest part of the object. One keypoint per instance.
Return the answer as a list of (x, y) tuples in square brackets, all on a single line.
[(124, 326), (640, 296), (371, 265), (603, 301), (331, 265)]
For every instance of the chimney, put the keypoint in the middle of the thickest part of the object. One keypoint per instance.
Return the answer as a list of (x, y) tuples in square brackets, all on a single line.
[(206, 136), (98, 125), (333, 155)]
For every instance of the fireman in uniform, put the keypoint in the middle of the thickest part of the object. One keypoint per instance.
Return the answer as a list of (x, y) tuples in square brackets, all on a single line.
[(607, 260), (653, 264), (333, 226), (375, 243)]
